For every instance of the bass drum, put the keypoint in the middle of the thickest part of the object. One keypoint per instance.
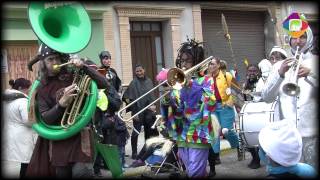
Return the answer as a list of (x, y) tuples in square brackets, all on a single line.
[(253, 117)]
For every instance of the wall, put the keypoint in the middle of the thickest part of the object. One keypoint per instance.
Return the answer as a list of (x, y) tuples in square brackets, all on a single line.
[(187, 23), (15, 27), (186, 29), (95, 45)]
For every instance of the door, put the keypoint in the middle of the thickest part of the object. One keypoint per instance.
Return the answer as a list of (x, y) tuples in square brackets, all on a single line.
[(146, 47)]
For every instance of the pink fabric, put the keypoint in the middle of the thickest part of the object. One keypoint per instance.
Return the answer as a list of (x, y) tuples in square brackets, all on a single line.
[(162, 75)]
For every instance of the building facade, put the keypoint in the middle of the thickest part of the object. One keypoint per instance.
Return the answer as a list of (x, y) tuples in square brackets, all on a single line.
[(150, 33)]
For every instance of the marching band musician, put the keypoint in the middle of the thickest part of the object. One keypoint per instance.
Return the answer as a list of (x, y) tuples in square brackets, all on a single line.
[(225, 105), (189, 113), (252, 78), (256, 78), (276, 54), (111, 74), (71, 157), (302, 107), (109, 127)]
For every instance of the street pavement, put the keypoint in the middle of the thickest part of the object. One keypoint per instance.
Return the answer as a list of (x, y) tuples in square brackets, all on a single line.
[(230, 167)]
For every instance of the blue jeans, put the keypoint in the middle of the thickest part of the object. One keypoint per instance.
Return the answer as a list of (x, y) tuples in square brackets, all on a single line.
[(226, 117), (122, 154)]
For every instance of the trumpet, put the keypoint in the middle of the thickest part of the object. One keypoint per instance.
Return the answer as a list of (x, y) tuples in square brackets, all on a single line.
[(291, 88), (175, 79)]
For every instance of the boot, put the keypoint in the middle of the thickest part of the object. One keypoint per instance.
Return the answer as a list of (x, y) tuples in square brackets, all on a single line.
[(212, 158), (212, 172), (240, 154), (134, 143), (216, 158), (255, 162)]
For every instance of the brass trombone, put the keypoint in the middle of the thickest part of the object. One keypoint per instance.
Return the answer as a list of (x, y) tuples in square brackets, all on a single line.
[(175, 79)]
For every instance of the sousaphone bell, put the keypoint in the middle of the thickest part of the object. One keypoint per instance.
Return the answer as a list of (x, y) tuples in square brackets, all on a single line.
[(66, 28)]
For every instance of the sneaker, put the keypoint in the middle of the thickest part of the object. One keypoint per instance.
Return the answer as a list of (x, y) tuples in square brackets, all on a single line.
[(138, 163)]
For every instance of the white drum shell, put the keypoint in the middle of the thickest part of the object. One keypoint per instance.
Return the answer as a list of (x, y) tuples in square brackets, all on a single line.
[(253, 117)]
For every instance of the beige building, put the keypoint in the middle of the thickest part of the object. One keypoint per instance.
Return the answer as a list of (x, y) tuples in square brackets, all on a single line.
[(150, 33)]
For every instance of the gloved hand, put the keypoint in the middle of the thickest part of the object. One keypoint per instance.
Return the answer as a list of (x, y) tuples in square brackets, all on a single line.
[(68, 95), (76, 61)]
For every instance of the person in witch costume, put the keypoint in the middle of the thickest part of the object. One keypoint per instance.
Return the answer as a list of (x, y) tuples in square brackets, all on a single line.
[(71, 157)]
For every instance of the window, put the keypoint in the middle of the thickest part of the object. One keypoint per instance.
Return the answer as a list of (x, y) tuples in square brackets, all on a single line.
[(145, 26)]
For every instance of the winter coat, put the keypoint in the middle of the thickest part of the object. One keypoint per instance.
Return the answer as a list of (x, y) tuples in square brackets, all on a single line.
[(306, 103), (18, 137)]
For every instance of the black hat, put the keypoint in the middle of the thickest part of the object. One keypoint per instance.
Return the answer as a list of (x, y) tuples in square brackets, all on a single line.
[(43, 52), (104, 54), (46, 51)]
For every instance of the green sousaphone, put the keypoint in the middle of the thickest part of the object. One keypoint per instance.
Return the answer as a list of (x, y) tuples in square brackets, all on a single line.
[(66, 28)]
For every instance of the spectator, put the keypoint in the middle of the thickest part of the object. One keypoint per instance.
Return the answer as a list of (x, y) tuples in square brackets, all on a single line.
[(18, 137), (139, 86)]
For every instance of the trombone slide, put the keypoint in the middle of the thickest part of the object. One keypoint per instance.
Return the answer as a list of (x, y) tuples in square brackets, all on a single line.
[(176, 77), (130, 104)]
